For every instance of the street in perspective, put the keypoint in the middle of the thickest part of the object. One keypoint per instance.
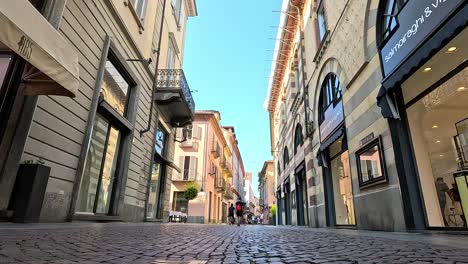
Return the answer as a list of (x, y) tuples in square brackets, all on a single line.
[(266, 131)]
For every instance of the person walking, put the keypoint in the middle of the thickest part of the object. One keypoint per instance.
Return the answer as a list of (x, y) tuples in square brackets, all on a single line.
[(239, 212), (231, 214)]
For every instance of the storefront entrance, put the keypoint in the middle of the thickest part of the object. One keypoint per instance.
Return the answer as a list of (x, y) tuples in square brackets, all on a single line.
[(437, 113), (424, 95), (301, 194), (287, 202), (338, 185)]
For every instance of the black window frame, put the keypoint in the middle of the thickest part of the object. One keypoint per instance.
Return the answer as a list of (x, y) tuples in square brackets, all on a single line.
[(377, 142), (279, 168), (285, 157), (321, 13), (164, 146), (298, 138), (331, 92), (385, 30)]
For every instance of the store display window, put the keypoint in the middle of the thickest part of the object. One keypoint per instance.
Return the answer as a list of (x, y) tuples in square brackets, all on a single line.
[(439, 132), (371, 164)]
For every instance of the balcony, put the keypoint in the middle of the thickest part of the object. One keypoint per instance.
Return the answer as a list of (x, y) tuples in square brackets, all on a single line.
[(186, 175), (216, 150), (174, 97), (220, 183), (228, 194)]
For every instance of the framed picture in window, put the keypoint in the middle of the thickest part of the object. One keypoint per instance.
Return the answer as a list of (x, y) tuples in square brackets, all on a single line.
[(371, 164)]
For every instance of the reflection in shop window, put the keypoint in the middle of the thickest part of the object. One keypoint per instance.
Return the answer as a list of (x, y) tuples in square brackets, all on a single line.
[(114, 88), (437, 144)]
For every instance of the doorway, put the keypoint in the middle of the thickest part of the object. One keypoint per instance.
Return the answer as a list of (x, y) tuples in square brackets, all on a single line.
[(338, 184), (301, 194), (287, 202)]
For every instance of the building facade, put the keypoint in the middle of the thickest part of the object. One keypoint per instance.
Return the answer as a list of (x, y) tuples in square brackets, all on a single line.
[(378, 154), (207, 160), (95, 108), (267, 190)]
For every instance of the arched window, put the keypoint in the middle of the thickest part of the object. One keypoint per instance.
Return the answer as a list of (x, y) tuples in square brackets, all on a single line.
[(387, 21), (285, 157), (330, 94), (298, 138)]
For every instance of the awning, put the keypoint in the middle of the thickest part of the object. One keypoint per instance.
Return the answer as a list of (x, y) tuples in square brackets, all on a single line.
[(331, 139), (443, 35), (231, 187), (386, 104), (25, 31)]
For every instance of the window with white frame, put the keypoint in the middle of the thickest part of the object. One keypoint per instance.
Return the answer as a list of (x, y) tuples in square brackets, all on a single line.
[(140, 8), (171, 56), (322, 22), (178, 9)]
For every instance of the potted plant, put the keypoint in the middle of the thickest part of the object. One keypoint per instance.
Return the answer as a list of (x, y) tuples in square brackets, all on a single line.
[(191, 192), (29, 190), (273, 213)]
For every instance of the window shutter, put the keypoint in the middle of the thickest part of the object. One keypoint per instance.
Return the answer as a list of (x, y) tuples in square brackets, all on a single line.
[(144, 4), (196, 132), (179, 133), (193, 168)]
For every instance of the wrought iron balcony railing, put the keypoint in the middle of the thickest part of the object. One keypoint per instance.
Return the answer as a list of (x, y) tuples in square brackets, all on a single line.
[(185, 175), (173, 89)]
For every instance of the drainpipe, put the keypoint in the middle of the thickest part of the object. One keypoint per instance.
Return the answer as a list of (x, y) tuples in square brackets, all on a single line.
[(306, 99), (155, 81)]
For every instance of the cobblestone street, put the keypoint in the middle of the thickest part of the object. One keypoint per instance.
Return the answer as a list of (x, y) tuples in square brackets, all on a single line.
[(186, 243)]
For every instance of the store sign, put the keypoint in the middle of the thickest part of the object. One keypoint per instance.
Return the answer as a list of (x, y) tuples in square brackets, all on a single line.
[(333, 118), (416, 21)]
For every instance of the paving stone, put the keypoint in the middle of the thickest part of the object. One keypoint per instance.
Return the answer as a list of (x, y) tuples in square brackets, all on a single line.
[(196, 244)]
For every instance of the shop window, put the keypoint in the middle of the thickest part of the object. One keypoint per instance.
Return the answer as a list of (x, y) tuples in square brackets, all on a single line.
[(101, 169), (160, 142), (180, 204), (151, 206), (439, 132), (114, 88), (298, 138), (330, 95), (285, 157), (370, 163), (387, 20), (160, 171)]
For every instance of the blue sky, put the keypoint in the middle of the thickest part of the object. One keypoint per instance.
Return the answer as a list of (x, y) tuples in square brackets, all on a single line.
[(227, 63)]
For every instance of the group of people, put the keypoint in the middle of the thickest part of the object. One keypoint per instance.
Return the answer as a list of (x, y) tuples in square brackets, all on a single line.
[(237, 211)]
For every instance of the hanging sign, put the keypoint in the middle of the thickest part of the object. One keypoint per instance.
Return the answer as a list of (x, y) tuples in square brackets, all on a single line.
[(415, 22)]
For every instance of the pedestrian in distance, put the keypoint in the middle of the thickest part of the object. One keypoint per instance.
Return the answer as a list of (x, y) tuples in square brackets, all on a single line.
[(239, 212), (231, 215)]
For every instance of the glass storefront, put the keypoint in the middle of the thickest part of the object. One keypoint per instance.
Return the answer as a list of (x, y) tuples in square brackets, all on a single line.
[(342, 185), (180, 204), (100, 169), (438, 125)]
